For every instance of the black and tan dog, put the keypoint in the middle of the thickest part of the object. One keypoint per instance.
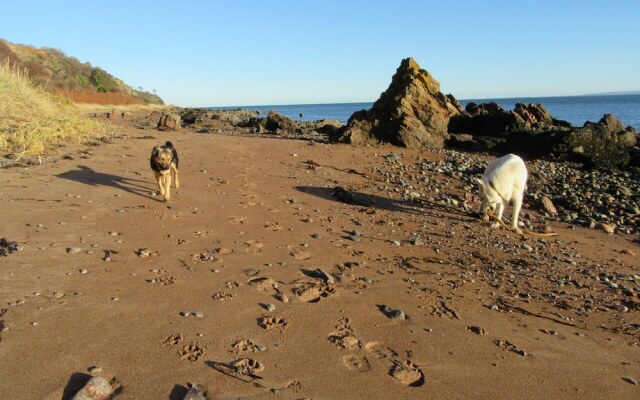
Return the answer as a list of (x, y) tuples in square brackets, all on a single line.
[(163, 160)]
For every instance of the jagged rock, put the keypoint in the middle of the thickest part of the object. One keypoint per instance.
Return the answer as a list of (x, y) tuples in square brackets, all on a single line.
[(412, 112), (547, 206), (98, 388), (169, 122), (277, 121), (489, 119), (608, 128)]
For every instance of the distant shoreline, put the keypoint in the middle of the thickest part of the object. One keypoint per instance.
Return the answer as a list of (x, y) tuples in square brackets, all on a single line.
[(575, 109)]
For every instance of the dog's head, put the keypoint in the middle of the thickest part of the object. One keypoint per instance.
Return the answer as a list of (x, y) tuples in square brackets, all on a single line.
[(162, 156), (488, 196)]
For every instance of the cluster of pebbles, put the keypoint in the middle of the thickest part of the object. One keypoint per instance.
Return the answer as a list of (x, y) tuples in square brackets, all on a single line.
[(562, 191)]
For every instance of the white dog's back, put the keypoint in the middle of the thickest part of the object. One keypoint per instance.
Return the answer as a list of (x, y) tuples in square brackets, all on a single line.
[(503, 182), (506, 175)]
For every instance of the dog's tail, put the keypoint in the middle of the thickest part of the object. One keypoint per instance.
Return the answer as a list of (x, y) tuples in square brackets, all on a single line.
[(168, 145)]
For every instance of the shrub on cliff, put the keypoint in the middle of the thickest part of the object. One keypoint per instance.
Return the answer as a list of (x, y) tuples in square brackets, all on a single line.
[(31, 119)]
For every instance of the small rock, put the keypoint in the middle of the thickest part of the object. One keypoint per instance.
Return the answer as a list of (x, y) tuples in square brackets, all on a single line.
[(325, 275), (395, 243), (368, 280), (477, 330), (83, 271), (251, 272), (316, 236), (630, 380), (198, 314), (269, 307), (605, 227), (194, 394), (58, 295), (418, 242), (185, 313), (74, 250), (224, 251), (98, 388)]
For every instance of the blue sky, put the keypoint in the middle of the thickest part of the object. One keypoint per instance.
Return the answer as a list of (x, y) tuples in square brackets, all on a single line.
[(241, 52)]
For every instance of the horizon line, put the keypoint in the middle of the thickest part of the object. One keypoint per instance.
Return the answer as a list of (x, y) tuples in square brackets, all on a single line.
[(620, 93)]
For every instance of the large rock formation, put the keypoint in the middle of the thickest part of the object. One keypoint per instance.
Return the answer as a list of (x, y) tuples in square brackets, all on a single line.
[(412, 112)]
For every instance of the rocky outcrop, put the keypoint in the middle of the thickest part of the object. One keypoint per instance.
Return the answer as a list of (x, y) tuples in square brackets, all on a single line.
[(169, 122), (412, 112), (531, 131), (277, 122), (489, 119)]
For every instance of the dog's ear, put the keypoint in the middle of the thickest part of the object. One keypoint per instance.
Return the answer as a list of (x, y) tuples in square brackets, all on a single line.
[(155, 151)]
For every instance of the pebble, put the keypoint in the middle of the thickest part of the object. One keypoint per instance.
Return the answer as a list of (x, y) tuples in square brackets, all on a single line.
[(58, 295), (395, 243), (185, 313), (316, 236), (354, 238), (418, 242), (368, 280), (477, 330), (270, 307), (198, 314), (74, 250), (527, 247), (251, 272), (35, 323), (83, 271), (630, 380), (98, 388)]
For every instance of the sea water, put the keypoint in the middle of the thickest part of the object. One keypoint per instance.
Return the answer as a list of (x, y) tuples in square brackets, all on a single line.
[(575, 109)]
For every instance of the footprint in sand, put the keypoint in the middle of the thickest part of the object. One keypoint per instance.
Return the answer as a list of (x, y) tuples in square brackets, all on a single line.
[(192, 352), (356, 363), (234, 220), (247, 366), (344, 340), (253, 246), (222, 296), (273, 322), (379, 350), (312, 293), (244, 346), (272, 226), (172, 340), (407, 373)]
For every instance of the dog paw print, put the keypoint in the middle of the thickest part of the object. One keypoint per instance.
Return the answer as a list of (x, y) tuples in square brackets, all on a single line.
[(274, 322), (172, 340), (192, 352)]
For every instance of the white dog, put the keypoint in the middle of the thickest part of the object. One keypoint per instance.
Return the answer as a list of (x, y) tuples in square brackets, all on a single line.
[(503, 182)]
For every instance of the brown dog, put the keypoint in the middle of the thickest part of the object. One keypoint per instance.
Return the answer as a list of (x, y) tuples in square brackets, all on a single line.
[(163, 160)]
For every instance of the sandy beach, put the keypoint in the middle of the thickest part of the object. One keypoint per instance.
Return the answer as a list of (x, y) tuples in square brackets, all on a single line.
[(254, 282)]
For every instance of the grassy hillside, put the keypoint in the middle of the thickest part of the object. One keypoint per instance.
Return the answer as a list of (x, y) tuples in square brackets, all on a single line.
[(33, 120), (56, 72)]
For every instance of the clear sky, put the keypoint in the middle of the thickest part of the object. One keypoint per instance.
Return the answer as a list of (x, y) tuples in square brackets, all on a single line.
[(259, 52)]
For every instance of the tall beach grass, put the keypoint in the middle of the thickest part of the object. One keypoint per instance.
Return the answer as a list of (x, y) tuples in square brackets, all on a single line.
[(33, 120)]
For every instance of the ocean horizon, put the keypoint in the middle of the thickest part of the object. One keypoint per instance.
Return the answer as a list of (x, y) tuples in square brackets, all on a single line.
[(575, 109)]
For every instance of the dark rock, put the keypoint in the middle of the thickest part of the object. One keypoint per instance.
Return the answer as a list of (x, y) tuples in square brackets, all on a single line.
[(412, 112), (169, 122), (276, 122)]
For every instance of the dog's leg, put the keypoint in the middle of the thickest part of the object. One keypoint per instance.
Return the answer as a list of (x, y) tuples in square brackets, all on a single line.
[(499, 211), (175, 172), (517, 205), (159, 182), (167, 180), (484, 207)]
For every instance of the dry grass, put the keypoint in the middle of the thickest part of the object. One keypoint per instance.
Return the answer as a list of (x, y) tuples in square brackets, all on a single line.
[(33, 120)]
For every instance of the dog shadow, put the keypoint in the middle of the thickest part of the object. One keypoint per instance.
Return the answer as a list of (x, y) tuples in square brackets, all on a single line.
[(359, 199), (91, 177)]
